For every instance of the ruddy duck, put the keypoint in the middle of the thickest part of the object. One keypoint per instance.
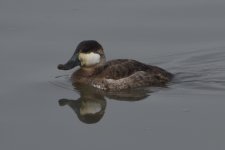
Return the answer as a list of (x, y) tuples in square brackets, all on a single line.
[(112, 75)]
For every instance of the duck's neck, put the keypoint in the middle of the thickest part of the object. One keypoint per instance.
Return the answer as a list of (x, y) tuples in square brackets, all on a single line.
[(88, 71)]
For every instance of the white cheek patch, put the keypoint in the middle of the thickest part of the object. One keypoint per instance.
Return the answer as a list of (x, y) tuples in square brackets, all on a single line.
[(89, 59)]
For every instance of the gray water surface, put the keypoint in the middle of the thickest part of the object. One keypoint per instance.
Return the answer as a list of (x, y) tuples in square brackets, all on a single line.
[(37, 101)]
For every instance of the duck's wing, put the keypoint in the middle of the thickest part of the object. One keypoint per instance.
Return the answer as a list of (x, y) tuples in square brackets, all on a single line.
[(122, 68), (125, 73)]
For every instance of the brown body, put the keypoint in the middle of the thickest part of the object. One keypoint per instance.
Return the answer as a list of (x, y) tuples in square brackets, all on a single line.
[(121, 74)]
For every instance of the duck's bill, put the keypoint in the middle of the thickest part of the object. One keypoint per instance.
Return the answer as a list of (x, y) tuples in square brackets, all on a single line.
[(73, 62)]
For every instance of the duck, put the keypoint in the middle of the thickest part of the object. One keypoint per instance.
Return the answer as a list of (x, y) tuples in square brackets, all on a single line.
[(113, 75)]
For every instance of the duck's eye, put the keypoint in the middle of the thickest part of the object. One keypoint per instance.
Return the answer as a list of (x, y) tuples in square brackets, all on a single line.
[(85, 50)]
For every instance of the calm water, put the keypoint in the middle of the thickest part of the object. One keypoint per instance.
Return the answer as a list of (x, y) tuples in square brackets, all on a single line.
[(40, 109)]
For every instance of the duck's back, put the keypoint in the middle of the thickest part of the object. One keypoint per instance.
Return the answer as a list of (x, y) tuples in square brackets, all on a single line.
[(126, 73)]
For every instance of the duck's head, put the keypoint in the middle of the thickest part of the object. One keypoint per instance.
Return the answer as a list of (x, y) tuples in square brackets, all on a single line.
[(87, 54)]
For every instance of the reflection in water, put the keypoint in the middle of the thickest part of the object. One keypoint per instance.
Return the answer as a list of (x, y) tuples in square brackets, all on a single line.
[(91, 105), (88, 109)]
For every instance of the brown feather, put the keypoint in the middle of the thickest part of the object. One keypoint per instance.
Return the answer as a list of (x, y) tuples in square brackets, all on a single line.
[(122, 74)]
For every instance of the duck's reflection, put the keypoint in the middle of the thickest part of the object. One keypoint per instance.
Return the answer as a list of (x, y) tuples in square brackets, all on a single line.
[(91, 105)]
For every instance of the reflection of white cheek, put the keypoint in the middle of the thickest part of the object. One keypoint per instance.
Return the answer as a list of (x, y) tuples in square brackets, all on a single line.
[(89, 59), (90, 108)]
